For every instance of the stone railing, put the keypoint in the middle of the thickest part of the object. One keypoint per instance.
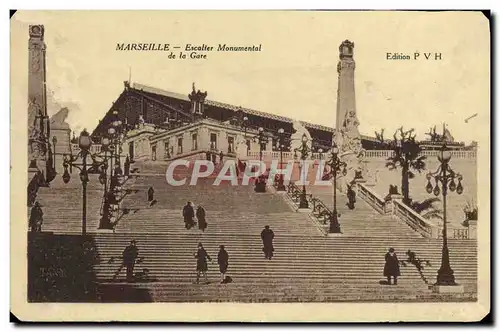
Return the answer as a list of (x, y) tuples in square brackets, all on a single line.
[(455, 154), (372, 154), (413, 219), (94, 148), (456, 232), (372, 198), (255, 155)]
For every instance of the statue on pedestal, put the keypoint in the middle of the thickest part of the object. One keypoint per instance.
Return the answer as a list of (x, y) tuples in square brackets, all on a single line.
[(241, 147), (348, 139), (296, 138), (37, 148)]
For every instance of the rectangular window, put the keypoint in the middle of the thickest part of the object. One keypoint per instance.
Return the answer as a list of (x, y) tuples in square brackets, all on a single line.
[(167, 150), (213, 141), (230, 144), (194, 139), (179, 145), (153, 152)]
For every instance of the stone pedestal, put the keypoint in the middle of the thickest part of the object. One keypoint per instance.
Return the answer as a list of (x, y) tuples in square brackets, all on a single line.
[(440, 289), (334, 234), (472, 229)]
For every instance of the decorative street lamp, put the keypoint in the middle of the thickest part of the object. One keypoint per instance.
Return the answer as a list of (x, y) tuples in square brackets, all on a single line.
[(262, 139), (117, 124), (54, 142), (336, 166), (445, 177), (304, 151), (84, 142), (245, 127), (281, 145), (320, 151)]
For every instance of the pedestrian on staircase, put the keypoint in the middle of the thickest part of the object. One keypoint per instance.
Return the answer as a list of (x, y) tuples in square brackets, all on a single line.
[(188, 214), (126, 166), (223, 260), (267, 236), (201, 263), (151, 193), (351, 197), (391, 268), (221, 156), (129, 256), (200, 215), (36, 218)]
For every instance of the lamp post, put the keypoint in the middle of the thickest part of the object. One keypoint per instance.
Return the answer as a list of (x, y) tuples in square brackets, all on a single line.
[(320, 151), (84, 142), (112, 147), (304, 151), (243, 123), (54, 142), (245, 127), (336, 166), (262, 139), (281, 145), (445, 177), (117, 126)]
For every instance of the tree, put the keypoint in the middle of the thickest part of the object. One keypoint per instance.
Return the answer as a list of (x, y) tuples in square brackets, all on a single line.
[(427, 209), (405, 156)]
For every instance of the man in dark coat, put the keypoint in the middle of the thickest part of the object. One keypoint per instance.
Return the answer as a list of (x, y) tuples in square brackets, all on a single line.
[(391, 268), (351, 196), (130, 254), (200, 215), (36, 218), (118, 171), (221, 156), (188, 214), (267, 236), (223, 260), (201, 263), (151, 193), (126, 166)]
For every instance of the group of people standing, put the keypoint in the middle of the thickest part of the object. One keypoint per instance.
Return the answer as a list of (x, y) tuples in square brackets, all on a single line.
[(188, 212), (211, 156), (201, 256)]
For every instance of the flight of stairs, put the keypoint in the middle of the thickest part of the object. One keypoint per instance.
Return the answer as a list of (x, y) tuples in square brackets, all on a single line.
[(363, 220), (307, 265)]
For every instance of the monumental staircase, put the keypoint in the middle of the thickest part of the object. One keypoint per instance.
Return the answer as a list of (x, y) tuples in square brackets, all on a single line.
[(307, 266)]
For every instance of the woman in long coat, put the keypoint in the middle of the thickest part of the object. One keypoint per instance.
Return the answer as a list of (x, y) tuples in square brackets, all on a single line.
[(200, 215), (391, 268), (201, 263)]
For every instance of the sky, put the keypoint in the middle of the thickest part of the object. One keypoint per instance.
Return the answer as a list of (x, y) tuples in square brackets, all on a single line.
[(295, 75)]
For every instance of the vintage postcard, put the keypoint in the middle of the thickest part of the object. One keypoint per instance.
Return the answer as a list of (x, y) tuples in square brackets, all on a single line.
[(255, 166)]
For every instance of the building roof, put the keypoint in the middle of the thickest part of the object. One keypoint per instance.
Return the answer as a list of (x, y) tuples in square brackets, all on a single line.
[(234, 108)]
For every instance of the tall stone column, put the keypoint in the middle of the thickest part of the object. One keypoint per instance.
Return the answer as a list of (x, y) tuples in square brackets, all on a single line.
[(346, 98), (347, 136), (39, 150)]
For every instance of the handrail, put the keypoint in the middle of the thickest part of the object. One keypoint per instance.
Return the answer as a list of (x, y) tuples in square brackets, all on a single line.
[(372, 198), (413, 219), (319, 209)]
